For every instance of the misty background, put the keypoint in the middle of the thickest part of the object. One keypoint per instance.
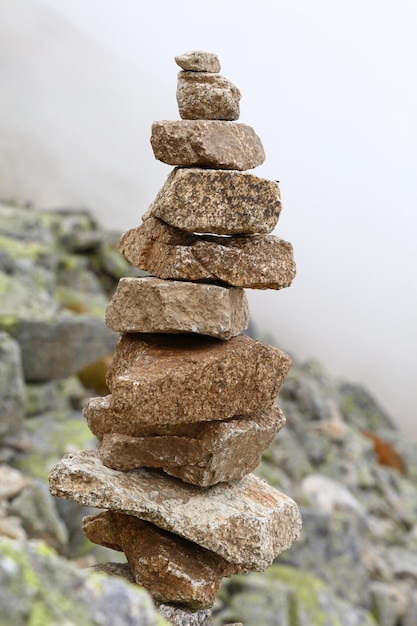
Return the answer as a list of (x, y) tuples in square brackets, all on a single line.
[(330, 88)]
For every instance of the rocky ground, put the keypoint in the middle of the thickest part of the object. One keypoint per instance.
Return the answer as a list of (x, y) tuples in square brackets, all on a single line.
[(353, 474)]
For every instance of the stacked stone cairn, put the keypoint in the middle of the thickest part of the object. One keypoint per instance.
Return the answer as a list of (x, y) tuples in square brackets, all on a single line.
[(192, 402)]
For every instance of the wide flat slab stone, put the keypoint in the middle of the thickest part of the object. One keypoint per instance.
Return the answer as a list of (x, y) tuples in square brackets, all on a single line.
[(224, 451), (152, 305), (217, 201), (252, 261), (190, 378), (206, 96), (198, 61), (207, 143), (247, 522), (172, 569)]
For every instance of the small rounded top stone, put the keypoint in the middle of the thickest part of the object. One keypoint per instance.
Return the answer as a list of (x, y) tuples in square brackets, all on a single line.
[(199, 61)]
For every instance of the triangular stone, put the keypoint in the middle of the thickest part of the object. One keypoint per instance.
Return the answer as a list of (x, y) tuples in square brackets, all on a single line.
[(171, 568)]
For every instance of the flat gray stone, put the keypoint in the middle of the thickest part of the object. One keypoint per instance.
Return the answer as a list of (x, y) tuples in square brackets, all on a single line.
[(151, 305), (247, 522)]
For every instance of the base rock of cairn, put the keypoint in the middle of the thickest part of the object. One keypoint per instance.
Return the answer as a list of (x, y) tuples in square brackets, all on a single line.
[(192, 401)]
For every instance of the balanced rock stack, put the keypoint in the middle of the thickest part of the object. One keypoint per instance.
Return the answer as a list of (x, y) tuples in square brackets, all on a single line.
[(192, 399)]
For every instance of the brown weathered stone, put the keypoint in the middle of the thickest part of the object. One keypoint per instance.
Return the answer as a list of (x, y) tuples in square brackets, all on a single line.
[(224, 451), (252, 261), (217, 201), (204, 96), (191, 378), (207, 143), (101, 419), (171, 568), (247, 522), (151, 305), (198, 61)]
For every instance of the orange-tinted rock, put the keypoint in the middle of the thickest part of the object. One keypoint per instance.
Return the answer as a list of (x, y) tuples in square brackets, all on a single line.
[(207, 143), (246, 521), (224, 202), (190, 378), (172, 569), (252, 261), (206, 96), (198, 61), (223, 451), (151, 305)]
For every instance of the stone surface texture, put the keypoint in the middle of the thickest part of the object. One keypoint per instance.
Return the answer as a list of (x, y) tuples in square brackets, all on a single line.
[(172, 569), (217, 201), (206, 96), (199, 61), (187, 378), (38, 587), (102, 420), (223, 451), (178, 616), (57, 348), (247, 522), (12, 389), (252, 261), (207, 143), (151, 305)]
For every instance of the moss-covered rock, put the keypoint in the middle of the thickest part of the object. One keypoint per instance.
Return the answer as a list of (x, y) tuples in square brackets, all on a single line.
[(285, 596), (12, 390), (52, 436), (37, 588)]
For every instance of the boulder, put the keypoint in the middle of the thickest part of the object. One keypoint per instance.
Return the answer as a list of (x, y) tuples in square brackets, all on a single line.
[(247, 522), (252, 261), (223, 451), (56, 348), (331, 547), (207, 96), (284, 596), (172, 569), (152, 305), (207, 143), (55, 591), (217, 201), (12, 388), (190, 378)]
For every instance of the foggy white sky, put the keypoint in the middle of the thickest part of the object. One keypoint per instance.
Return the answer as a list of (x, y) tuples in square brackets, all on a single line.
[(330, 87)]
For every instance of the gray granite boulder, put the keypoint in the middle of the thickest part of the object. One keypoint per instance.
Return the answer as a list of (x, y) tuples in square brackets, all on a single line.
[(57, 592)]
